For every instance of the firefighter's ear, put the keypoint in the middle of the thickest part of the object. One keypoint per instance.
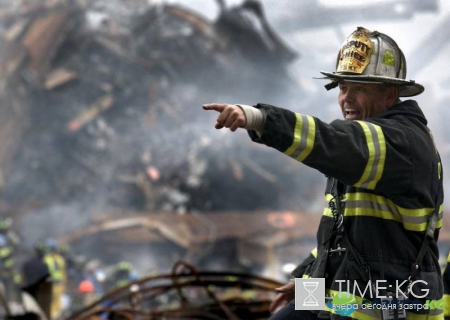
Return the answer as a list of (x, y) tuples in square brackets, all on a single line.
[(392, 96)]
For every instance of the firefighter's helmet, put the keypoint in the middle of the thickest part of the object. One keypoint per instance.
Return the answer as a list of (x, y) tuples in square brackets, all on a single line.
[(5, 224), (86, 286), (41, 249), (372, 57), (51, 245), (124, 266)]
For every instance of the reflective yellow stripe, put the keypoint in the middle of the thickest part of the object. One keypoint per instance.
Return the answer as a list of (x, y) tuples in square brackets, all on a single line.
[(8, 264), (434, 143), (5, 251), (439, 170), (304, 135), (376, 146), (448, 257), (366, 204), (297, 132), (56, 266), (447, 303), (314, 252), (17, 278)]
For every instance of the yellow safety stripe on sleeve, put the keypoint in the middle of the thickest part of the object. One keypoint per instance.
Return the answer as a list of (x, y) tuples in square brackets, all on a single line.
[(448, 257), (446, 298), (439, 170), (434, 143), (371, 205), (17, 278), (314, 252), (304, 135), (376, 146)]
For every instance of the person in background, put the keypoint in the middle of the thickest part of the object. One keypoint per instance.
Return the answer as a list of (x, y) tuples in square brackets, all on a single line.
[(10, 276), (122, 275), (91, 286), (56, 265), (36, 279)]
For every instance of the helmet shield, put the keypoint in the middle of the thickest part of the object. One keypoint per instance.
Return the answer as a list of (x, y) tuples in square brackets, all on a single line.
[(354, 56), (371, 56)]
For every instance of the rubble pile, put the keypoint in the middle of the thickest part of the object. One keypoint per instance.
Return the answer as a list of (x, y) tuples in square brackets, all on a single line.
[(186, 293), (114, 106)]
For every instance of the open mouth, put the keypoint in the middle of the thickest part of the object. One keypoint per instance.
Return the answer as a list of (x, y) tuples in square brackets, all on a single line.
[(352, 114)]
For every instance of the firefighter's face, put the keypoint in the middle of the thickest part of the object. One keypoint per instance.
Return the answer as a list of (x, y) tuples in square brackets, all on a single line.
[(359, 101)]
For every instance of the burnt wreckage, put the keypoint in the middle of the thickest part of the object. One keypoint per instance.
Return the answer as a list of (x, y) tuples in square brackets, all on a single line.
[(112, 106), (103, 111), (186, 293)]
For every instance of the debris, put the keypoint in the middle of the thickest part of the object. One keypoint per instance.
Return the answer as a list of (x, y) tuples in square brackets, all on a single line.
[(153, 173), (84, 103), (194, 295), (59, 77), (156, 69), (12, 56), (260, 170), (100, 105), (44, 36)]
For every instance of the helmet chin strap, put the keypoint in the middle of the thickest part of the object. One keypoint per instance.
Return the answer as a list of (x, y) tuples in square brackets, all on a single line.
[(331, 85)]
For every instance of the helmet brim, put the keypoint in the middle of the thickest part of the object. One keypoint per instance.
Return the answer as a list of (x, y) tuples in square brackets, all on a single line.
[(406, 88)]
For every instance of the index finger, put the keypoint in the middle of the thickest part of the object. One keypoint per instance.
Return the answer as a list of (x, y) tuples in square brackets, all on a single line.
[(215, 106)]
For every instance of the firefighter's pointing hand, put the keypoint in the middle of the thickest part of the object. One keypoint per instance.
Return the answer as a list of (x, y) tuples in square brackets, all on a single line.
[(231, 116), (236, 116)]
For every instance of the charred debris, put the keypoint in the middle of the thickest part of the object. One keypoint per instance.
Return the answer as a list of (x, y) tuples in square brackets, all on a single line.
[(102, 129), (101, 119), (186, 293), (103, 108)]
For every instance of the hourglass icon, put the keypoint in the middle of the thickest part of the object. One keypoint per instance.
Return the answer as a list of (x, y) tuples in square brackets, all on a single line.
[(310, 300)]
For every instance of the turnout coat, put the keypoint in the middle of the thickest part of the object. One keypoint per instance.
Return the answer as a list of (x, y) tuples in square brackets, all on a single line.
[(390, 178)]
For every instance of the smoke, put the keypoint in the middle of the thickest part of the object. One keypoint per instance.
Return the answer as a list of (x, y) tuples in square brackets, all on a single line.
[(156, 119)]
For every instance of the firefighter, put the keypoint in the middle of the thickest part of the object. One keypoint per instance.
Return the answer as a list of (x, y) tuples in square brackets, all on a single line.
[(36, 279), (86, 291), (8, 232), (57, 268), (9, 275), (122, 275), (384, 181), (73, 272)]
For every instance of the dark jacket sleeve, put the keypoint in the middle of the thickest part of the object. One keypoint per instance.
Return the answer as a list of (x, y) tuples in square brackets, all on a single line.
[(366, 154)]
